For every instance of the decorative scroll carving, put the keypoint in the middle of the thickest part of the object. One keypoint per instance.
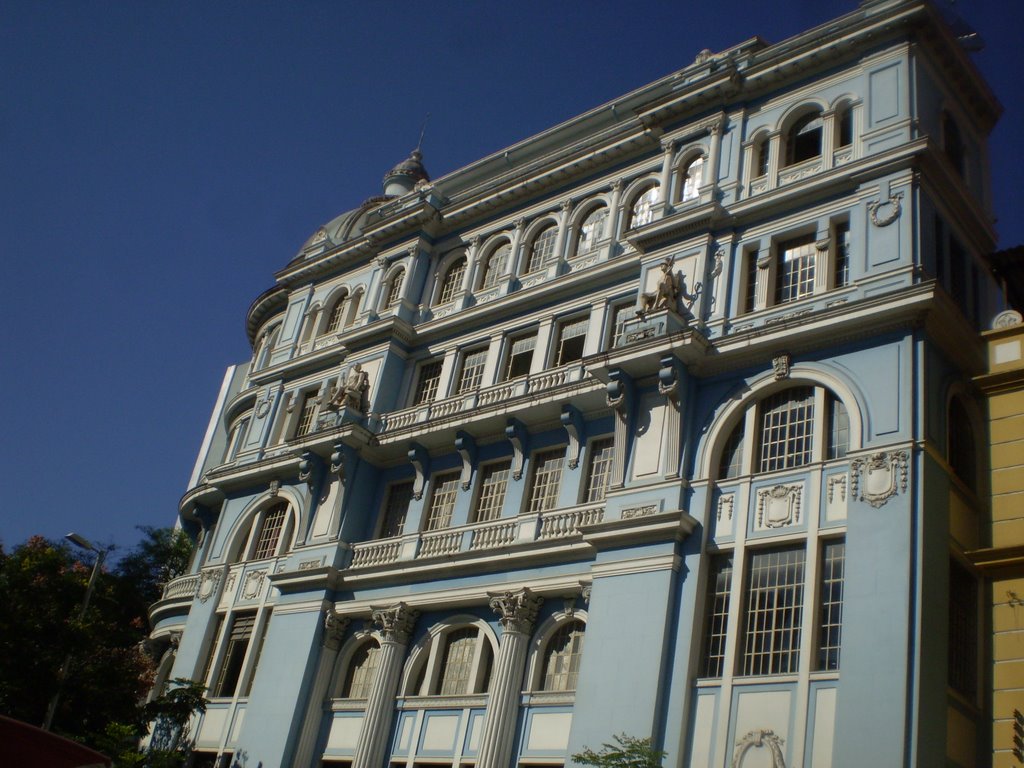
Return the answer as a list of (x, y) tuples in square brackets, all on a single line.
[(310, 470), (641, 511), (208, 585), (781, 364), (1007, 319), (725, 505), (465, 444), (760, 737), (668, 378), (778, 506), (274, 487), (308, 565), (516, 610), (419, 457), (878, 477), (585, 593), (618, 391), (341, 456), (572, 420), (836, 486), (395, 622), (890, 210), (253, 582), (334, 629), (516, 433)]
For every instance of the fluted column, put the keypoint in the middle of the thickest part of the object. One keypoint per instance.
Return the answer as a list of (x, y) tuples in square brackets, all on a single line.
[(395, 626), (518, 611), (335, 627)]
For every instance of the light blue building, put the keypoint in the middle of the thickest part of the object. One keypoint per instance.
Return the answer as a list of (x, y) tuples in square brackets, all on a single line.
[(658, 422)]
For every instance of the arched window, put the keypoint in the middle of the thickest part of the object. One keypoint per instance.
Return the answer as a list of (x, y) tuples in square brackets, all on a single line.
[(542, 249), (691, 179), (961, 453), (337, 316), (761, 155), (803, 141), (844, 126), (456, 662), (642, 211), (362, 671), (452, 282), (495, 265), (561, 659), (269, 535), (266, 347), (394, 289), (592, 230)]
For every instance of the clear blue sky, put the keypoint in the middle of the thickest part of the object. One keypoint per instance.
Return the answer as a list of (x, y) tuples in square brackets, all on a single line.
[(160, 160)]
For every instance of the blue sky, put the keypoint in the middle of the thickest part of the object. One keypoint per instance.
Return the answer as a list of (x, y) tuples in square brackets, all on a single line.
[(159, 161)]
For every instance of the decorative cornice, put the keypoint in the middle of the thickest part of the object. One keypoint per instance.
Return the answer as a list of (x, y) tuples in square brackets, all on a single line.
[(516, 610)]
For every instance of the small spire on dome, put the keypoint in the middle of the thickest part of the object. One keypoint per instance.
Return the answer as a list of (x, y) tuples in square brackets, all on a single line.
[(404, 176)]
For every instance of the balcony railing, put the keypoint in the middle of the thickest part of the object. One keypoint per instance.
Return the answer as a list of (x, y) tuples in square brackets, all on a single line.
[(506, 391), (476, 537), (181, 587)]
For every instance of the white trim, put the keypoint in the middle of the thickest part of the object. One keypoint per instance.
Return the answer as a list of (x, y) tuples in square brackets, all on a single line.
[(211, 427)]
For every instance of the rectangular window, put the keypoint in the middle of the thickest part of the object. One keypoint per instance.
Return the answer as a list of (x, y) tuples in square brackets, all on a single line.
[(838, 429), (572, 335), (395, 509), (546, 480), (520, 356), (830, 604), (842, 254), (750, 288), (963, 630), (620, 314), (307, 416), (428, 382), (599, 472), (787, 428), (493, 483), (257, 651), (773, 610), (237, 438), (719, 587), (472, 373), (237, 643), (795, 278), (442, 502)]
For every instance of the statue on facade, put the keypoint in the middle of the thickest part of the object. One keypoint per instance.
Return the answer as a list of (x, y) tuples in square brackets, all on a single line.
[(666, 292), (354, 392)]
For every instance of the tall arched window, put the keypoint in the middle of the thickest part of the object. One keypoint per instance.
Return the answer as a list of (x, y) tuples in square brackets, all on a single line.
[(961, 453), (762, 151), (542, 249), (691, 179), (592, 230), (269, 535), (337, 315), (803, 141), (456, 662), (844, 126), (394, 289), (642, 211), (452, 281), (495, 265), (561, 659), (362, 671)]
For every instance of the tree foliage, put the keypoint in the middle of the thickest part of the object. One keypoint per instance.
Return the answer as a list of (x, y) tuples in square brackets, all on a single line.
[(626, 752), (43, 583)]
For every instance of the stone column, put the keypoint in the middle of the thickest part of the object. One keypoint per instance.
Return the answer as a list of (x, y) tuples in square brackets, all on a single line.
[(518, 611), (335, 627), (394, 625)]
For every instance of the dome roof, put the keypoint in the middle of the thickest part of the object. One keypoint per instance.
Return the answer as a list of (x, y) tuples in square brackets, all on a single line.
[(411, 167)]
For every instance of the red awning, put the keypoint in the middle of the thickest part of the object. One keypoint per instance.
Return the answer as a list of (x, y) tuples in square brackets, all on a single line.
[(25, 745)]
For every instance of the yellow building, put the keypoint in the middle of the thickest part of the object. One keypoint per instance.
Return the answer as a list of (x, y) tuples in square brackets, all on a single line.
[(1002, 562)]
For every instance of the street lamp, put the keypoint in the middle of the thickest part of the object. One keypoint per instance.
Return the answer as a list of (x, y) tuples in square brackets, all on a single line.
[(83, 543)]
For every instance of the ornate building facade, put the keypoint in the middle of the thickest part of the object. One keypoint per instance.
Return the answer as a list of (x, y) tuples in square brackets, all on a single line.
[(659, 422)]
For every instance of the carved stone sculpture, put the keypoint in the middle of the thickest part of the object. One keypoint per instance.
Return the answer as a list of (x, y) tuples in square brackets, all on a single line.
[(666, 292), (355, 391)]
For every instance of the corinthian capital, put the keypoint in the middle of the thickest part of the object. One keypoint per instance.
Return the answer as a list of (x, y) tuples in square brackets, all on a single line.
[(395, 622), (516, 610)]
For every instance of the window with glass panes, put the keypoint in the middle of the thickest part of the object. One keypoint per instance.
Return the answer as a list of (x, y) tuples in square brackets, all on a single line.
[(787, 429), (562, 657), (337, 315), (452, 282), (620, 314), (493, 484), (542, 250), (572, 336), (546, 479), (307, 414), (643, 208), (496, 265), (830, 602), (520, 355), (842, 234), (457, 666), (692, 178), (962, 650), (395, 289), (236, 643), (427, 382), (442, 501), (471, 374), (362, 671), (396, 507), (773, 611), (257, 652), (271, 527), (599, 470), (592, 230), (794, 277), (719, 589), (237, 438), (750, 281)]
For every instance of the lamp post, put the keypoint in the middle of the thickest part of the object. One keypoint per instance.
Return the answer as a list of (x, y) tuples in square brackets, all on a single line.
[(62, 673)]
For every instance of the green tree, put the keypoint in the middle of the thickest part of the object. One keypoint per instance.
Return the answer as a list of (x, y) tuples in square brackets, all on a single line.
[(626, 752), (42, 584)]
